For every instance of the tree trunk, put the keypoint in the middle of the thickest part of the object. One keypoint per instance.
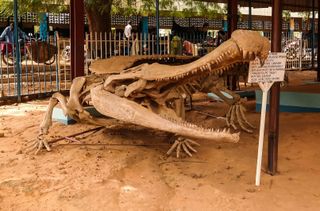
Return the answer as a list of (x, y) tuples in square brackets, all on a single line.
[(99, 21)]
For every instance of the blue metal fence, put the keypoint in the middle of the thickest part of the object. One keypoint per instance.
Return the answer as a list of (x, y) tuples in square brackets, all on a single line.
[(39, 68)]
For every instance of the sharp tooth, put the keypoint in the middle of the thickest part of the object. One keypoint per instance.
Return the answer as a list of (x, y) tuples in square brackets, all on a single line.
[(251, 55), (209, 67), (245, 54), (204, 67)]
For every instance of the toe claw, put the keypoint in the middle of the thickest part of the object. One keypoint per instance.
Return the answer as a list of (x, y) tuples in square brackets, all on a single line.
[(178, 149), (185, 149), (45, 143), (39, 147), (193, 142), (189, 146), (172, 147)]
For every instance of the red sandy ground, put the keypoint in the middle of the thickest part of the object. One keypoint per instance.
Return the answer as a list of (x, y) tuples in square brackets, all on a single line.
[(97, 176)]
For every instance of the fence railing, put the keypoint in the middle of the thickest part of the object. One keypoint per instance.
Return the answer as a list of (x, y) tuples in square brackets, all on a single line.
[(38, 71), (105, 45), (298, 47)]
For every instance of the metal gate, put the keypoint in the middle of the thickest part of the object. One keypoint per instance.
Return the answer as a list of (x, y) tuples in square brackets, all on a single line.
[(39, 71)]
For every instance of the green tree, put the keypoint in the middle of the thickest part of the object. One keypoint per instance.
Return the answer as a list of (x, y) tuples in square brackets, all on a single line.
[(286, 15), (6, 6), (98, 14), (98, 11)]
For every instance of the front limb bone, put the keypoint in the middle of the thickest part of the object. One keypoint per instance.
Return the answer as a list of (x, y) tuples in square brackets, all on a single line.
[(40, 141), (70, 108)]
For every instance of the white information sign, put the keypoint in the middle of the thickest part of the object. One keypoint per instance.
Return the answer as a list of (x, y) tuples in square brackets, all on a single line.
[(272, 71)]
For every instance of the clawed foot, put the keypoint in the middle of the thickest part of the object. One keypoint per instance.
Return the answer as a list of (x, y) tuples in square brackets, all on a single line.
[(37, 144), (184, 144), (236, 114)]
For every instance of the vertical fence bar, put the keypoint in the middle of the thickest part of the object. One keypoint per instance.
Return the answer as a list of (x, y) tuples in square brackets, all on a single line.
[(8, 72), (124, 45), (110, 45), (90, 48), (96, 45), (58, 70), (168, 43), (25, 54), (44, 68), (119, 41), (115, 47), (101, 49), (18, 53), (105, 45), (300, 55), (153, 43), (141, 42), (49, 66), (56, 59), (64, 66), (86, 54), (149, 45), (38, 67), (131, 46), (14, 71), (1, 73)]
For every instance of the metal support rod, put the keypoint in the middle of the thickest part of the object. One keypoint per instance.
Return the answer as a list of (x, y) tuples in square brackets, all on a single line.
[(312, 35), (318, 60), (232, 16), (275, 91), (17, 49), (77, 38), (250, 15), (232, 26), (157, 27)]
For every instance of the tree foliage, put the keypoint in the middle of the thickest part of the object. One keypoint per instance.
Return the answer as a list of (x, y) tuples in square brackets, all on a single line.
[(98, 14), (286, 15), (182, 8), (99, 11), (6, 6)]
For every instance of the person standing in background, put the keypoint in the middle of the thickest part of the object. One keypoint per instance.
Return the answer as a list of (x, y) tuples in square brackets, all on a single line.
[(8, 35), (127, 30), (127, 34)]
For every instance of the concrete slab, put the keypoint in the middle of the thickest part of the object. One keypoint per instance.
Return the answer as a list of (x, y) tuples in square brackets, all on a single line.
[(58, 115), (293, 101)]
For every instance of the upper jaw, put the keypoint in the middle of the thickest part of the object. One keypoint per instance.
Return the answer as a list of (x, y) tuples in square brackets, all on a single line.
[(243, 46)]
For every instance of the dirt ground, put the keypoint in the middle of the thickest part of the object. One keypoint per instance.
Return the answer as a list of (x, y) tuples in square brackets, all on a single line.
[(126, 169)]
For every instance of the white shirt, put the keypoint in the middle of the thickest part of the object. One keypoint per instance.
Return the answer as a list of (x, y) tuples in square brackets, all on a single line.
[(127, 31)]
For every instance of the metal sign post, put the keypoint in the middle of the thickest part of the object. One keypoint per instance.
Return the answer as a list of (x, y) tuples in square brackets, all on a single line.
[(17, 50), (273, 70), (265, 87)]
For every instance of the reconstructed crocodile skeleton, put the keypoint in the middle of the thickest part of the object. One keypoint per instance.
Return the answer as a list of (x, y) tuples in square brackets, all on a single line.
[(151, 95)]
